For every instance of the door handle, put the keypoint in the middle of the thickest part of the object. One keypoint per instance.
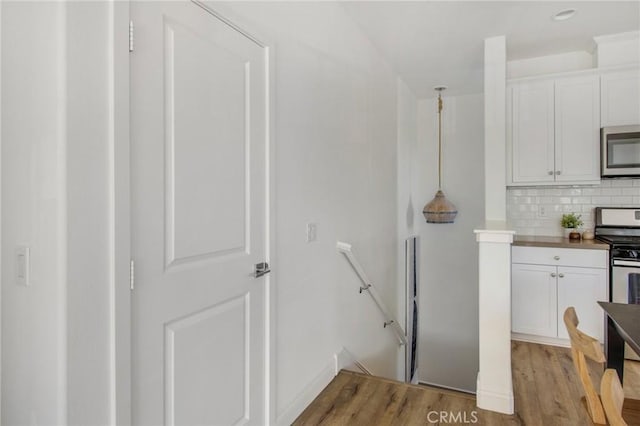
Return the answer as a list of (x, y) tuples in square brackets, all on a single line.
[(553, 275), (262, 268)]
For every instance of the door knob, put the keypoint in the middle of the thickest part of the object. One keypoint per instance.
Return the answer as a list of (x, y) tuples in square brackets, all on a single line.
[(262, 268), (556, 257), (550, 172), (553, 274), (561, 275)]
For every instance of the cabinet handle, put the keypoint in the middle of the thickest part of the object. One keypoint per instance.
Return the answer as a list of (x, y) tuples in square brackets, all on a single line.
[(553, 275), (561, 275), (558, 172), (556, 257), (550, 173)]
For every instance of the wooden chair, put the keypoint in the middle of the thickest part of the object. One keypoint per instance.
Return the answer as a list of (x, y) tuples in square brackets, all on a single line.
[(584, 346), (612, 397)]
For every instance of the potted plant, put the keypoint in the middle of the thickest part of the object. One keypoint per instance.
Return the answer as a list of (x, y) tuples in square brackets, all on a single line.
[(571, 222)]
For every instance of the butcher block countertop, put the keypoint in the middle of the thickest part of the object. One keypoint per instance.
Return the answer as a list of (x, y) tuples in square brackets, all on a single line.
[(544, 241)]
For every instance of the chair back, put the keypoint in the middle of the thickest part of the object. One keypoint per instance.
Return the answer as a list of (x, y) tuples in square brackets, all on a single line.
[(612, 397), (583, 345)]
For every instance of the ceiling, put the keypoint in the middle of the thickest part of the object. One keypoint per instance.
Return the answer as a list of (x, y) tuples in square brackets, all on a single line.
[(431, 43)]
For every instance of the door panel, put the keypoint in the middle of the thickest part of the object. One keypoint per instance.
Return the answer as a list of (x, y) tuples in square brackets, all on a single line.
[(219, 333), (582, 288), (532, 132), (208, 127), (533, 300), (198, 154), (577, 129)]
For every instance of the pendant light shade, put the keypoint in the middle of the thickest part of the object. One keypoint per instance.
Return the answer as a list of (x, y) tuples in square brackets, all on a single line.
[(440, 210)]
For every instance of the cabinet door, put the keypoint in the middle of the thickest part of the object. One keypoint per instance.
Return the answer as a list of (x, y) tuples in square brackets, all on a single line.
[(532, 132), (620, 98), (577, 129), (534, 300), (582, 288)]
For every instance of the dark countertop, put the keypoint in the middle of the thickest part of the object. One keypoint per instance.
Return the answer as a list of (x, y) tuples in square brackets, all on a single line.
[(546, 241)]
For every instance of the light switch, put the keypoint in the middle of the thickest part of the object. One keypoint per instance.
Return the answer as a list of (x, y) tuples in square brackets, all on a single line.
[(23, 265), (312, 232)]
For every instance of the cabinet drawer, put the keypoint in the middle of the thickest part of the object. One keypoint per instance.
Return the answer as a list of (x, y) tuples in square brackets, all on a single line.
[(559, 256)]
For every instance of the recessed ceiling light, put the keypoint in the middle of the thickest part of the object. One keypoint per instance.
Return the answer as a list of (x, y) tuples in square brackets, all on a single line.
[(563, 15)]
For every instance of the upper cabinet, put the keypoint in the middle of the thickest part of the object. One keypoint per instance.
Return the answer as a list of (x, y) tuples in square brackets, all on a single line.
[(553, 131), (532, 132), (620, 93)]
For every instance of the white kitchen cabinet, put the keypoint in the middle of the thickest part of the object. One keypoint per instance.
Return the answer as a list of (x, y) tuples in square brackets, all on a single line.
[(577, 129), (533, 299), (581, 288), (554, 131), (545, 281), (620, 98), (533, 132)]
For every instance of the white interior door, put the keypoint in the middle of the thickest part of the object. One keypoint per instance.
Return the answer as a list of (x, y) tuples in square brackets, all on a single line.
[(198, 119)]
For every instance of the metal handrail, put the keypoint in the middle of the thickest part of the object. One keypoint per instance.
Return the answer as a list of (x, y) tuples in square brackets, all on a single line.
[(345, 249)]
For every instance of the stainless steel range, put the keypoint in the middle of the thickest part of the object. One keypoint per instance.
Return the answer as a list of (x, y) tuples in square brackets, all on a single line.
[(620, 228)]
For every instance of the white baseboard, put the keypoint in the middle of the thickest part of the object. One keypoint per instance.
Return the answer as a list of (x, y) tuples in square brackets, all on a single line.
[(494, 401), (308, 394), (346, 361), (530, 338), (437, 385)]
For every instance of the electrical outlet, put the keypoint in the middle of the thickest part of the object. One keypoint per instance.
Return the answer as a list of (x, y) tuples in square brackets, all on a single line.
[(542, 211), (23, 266), (312, 232)]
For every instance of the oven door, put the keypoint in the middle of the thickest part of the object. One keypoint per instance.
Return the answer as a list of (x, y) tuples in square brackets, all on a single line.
[(621, 151), (625, 288)]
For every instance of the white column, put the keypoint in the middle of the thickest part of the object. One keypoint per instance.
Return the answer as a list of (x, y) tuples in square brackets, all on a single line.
[(494, 383), (494, 386), (495, 169)]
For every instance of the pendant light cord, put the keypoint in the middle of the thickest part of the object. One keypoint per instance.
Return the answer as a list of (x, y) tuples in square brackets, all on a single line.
[(439, 141)]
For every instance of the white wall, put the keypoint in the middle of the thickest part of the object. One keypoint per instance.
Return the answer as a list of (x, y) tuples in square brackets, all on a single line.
[(336, 166), (408, 214), (336, 132), (564, 62), (449, 254), (33, 212), (56, 359)]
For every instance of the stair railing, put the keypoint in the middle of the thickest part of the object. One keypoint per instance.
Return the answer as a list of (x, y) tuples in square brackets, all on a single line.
[(368, 287)]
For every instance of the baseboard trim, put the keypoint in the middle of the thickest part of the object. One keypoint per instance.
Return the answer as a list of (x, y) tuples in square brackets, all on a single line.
[(346, 361), (529, 338), (443, 387), (494, 401), (308, 394)]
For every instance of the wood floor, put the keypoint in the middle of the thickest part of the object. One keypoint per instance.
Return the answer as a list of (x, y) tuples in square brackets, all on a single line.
[(546, 389)]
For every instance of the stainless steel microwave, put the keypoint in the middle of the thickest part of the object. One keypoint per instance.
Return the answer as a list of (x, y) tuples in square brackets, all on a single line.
[(620, 154)]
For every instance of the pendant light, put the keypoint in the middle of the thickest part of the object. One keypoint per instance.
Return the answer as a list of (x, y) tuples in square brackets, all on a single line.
[(440, 210)]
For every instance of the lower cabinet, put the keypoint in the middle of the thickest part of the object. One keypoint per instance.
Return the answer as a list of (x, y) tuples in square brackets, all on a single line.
[(540, 293), (534, 299), (582, 288)]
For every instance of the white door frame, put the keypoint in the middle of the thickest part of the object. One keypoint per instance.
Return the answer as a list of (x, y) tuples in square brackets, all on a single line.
[(120, 334)]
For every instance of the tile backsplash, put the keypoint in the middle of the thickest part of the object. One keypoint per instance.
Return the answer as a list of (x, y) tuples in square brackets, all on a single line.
[(537, 211)]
